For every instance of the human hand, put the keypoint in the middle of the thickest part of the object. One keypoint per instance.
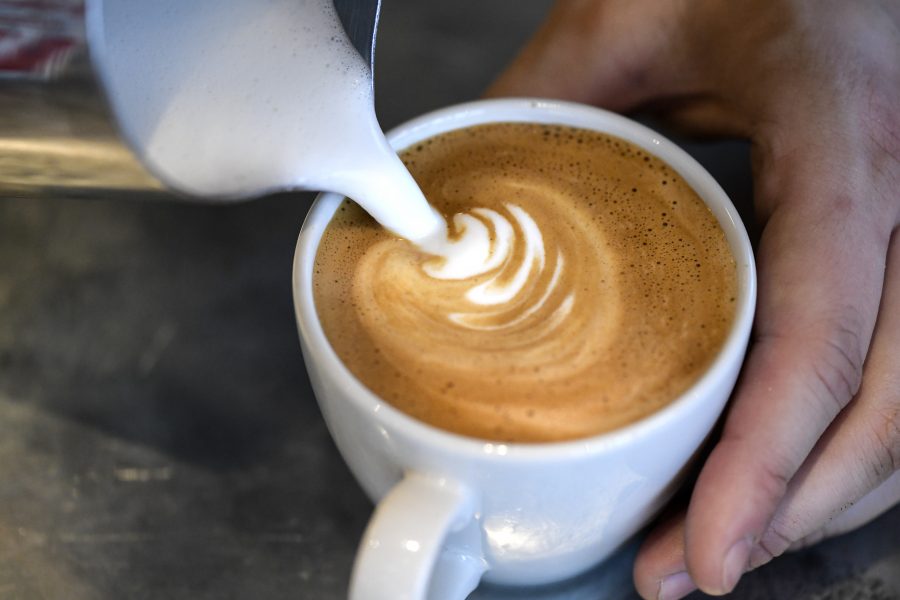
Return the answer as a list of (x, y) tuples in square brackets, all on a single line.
[(811, 442)]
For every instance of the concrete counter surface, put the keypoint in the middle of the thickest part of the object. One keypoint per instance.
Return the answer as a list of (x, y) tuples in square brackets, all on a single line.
[(158, 435)]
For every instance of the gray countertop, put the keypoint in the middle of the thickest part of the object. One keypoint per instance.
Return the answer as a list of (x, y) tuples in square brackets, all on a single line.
[(158, 435)]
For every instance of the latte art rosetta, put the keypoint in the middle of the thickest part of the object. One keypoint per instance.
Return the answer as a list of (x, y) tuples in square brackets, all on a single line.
[(486, 243), (500, 289), (580, 285)]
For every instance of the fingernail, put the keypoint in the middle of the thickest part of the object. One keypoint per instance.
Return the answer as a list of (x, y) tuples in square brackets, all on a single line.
[(735, 565), (675, 586)]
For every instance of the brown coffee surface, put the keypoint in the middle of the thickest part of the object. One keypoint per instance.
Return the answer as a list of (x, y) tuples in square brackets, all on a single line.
[(631, 302)]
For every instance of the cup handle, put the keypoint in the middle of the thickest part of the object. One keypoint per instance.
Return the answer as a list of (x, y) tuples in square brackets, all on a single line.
[(423, 541)]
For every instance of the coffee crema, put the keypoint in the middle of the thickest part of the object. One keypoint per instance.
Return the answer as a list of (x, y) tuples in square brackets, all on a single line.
[(583, 286)]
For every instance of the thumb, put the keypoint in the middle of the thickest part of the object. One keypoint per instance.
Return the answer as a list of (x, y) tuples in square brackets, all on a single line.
[(618, 54)]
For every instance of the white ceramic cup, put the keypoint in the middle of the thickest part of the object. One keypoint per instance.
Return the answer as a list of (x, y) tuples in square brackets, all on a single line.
[(453, 509)]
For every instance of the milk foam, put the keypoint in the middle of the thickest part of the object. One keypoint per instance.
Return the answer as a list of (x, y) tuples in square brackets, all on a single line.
[(237, 98), (485, 242)]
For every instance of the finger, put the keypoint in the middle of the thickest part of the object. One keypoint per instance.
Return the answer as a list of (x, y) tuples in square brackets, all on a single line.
[(821, 265), (659, 571), (860, 450), (613, 53), (868, 508)]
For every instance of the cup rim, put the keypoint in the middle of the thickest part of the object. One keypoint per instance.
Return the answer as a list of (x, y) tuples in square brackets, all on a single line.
[(534, 110)]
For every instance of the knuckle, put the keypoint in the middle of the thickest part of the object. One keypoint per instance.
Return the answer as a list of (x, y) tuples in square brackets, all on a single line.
[(776, 540), (886, 436), (771, 470), (759, 556), (774, 476), (837, 365)]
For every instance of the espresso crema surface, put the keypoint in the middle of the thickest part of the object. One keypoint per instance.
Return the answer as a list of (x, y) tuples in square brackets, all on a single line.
[(584, 285)]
